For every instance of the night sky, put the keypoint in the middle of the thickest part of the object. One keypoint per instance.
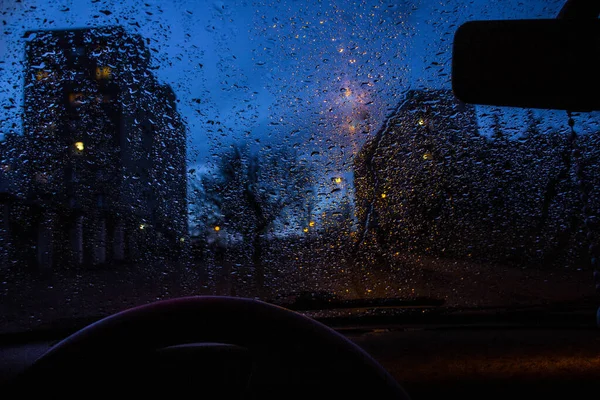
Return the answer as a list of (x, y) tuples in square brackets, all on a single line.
[(316, 76)]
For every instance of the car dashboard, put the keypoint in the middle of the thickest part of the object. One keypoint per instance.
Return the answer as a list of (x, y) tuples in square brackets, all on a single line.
[(469, 361)]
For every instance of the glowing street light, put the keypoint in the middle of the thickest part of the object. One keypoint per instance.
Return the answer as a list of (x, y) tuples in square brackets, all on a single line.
[(383, 195), (217, 228)]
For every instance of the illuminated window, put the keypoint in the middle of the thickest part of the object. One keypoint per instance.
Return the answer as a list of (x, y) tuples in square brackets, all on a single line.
[(338, 180), (383, 195), (42, 75), (79, 146), (103, 73), (305, 230), (311, 223)]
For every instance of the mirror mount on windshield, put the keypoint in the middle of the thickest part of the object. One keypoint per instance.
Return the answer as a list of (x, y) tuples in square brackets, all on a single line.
[(551, 64)]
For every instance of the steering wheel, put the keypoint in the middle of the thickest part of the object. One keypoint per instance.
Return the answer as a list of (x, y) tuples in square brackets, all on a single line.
[(318, 360)]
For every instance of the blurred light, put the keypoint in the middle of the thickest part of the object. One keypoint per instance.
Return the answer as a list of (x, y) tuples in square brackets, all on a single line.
[(338, 180), (427, 156), (41, 75), (305, 230), (142, 226), (182, 239), (421, 122), (383, 195), (79, 146), (341, 50), (217, 228), (311, 223), (103, 72)]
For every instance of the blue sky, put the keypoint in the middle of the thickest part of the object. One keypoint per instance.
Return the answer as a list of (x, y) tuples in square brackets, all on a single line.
[(315, 76)]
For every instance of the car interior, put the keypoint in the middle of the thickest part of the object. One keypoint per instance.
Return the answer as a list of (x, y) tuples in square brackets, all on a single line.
[(528, 334)]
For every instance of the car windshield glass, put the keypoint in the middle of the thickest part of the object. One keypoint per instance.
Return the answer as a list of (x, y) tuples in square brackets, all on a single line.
[(281, 150)]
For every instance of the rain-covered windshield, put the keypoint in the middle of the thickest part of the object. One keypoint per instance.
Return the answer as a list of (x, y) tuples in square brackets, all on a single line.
[(279, 150)]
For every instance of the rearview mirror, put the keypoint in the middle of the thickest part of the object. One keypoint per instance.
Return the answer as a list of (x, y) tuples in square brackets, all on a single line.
[(550, 64)]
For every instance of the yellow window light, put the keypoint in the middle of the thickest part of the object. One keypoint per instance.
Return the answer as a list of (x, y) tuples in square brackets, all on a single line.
[(103, 72), (41, 75), (217, 228), (79, 146)]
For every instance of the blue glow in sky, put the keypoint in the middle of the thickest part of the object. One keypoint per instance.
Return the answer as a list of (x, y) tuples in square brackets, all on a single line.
[(305, 74)]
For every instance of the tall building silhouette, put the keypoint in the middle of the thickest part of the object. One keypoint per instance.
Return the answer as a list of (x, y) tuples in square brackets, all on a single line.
[(409, 176), (103, 165)]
